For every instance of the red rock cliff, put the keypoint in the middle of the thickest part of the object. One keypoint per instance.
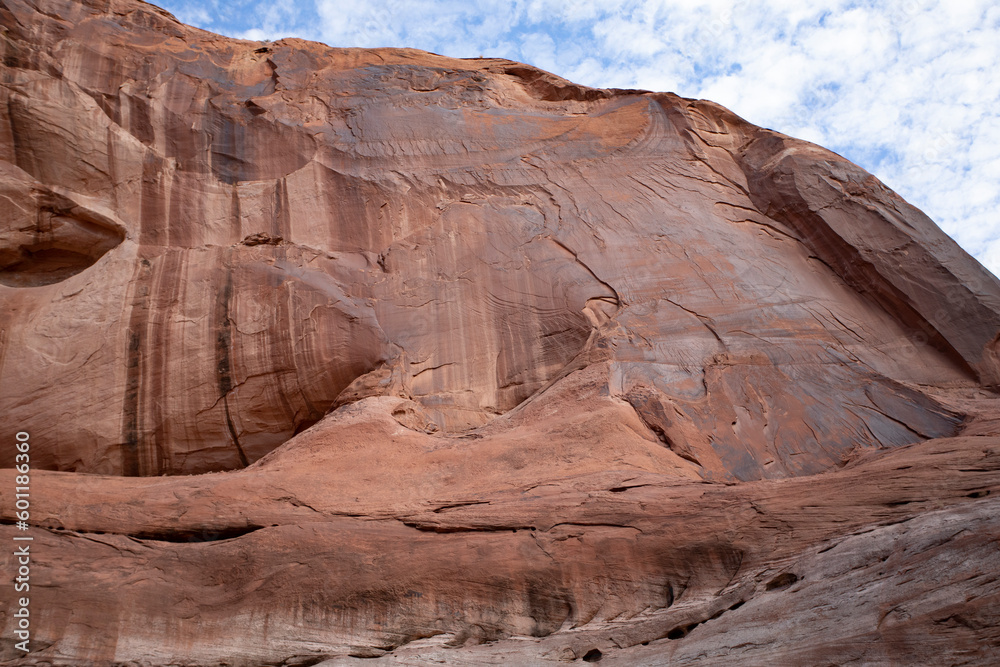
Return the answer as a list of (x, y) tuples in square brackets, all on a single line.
[(456, 351)]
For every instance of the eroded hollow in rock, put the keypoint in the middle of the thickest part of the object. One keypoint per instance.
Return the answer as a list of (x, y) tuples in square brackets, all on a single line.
[(58, 247), (782, 581)]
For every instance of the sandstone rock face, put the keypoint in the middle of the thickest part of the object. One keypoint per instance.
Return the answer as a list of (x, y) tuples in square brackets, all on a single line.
[(437, 352)]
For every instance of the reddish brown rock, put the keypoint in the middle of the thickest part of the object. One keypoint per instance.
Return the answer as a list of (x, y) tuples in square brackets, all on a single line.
[(437, 352)]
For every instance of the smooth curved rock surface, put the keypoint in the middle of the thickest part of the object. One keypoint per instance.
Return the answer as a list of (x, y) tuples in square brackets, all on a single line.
[(377, 353)]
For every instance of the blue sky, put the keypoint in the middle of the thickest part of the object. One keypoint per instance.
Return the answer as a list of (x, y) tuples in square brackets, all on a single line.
[(909, 89)]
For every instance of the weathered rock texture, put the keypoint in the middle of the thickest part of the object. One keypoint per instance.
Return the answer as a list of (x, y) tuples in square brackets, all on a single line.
[(439, 352)]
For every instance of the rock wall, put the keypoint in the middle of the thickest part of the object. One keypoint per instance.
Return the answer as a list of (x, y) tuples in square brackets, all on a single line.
[(460, 351)]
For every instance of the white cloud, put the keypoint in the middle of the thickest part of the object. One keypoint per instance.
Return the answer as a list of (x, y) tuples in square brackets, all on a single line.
[(910, 90)]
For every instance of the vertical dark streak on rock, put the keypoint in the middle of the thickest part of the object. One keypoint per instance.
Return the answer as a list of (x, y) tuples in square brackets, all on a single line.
[(139, 124), (24, 157), (112, 168), (276, 209), (182, 207), (334, 203), (232, 433), (286, 355), (4, 343), (130, 411), (280, 221), (280, 344), (153, 214), (223, 343), (237, 215), (164, 296), (151, 219), (132, 404)]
